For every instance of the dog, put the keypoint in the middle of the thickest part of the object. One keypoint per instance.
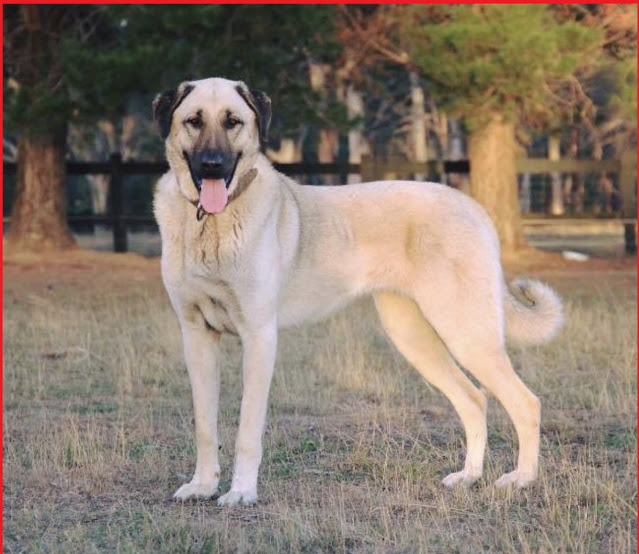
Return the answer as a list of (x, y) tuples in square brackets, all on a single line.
[(246, 250)]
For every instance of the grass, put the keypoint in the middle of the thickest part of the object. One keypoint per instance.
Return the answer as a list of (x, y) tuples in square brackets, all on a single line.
[(98, 434)]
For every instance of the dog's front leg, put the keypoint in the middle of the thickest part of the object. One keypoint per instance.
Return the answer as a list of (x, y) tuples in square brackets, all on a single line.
[(259, 348), (201, 353)]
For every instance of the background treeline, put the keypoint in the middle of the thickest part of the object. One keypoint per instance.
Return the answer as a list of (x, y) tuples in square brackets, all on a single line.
[(447, 82)]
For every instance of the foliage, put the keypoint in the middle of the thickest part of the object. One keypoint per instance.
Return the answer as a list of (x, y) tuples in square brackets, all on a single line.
[(96, 58), (36, 93), (609, 91), (506, 59), (625, 96)]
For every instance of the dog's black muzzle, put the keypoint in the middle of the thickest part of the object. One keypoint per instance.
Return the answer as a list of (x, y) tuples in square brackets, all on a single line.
[(212, 164)]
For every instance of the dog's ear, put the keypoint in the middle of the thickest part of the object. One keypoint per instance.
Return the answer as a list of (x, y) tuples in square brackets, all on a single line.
[(163, 111), (260, 103), (166, 103)]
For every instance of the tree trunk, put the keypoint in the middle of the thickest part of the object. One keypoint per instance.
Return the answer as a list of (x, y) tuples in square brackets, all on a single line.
[(417, 127), (524, 194), (356, 147), (99, 185), (289, 152), (556, 190), (604, 183), (442, 130), (327, 146), (328, 139), (38, 217), (455, 151), (493, 178), (572, 183)]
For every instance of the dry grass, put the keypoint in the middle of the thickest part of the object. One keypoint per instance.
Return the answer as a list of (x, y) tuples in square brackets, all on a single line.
[(98, 434)]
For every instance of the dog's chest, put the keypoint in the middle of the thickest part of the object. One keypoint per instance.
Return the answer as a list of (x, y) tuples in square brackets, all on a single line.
[(216, 298), (222, 312), (206, 275)]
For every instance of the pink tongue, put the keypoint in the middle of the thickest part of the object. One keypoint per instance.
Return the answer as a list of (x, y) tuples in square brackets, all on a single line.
[(213, 195)]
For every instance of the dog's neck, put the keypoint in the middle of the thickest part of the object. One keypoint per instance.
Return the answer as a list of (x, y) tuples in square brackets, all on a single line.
[(243, 181)]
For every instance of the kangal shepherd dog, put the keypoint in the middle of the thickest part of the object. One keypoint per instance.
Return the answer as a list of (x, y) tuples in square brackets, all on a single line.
[(246, 250)]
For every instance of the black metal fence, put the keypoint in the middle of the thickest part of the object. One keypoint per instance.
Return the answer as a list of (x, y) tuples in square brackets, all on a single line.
[(624, 168)]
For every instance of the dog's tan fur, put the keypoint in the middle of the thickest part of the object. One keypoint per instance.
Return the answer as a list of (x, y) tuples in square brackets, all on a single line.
[(280, 254)]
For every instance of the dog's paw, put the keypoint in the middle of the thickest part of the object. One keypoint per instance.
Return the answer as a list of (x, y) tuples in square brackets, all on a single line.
[(515, 478), (463, 478), (195, 490), (235, 498)]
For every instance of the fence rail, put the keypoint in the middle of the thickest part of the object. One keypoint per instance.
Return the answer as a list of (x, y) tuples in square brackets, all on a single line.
[(302, 168), (370, 169)]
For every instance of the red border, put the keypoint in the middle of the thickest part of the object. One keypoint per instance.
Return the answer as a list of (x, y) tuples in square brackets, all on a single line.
[(304, 2), (1, 322), (238, 2)]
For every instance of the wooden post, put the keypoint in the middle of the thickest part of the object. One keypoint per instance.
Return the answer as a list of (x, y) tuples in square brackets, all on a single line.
[(440, 172), (116, 197), (628, 189), (630, 237), (366, 169)]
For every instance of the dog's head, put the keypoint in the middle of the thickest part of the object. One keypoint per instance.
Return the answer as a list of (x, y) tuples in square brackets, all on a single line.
[(214, 129)]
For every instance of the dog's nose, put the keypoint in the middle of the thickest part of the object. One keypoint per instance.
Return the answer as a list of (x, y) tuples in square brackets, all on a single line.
[(212, 161)]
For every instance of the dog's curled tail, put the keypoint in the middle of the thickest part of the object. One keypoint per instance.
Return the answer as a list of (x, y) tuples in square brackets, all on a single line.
[(537, 317)]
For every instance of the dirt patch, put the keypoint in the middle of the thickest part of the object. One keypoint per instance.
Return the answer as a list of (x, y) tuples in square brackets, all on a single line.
[(540, 260), (90, 270), (86, 269)]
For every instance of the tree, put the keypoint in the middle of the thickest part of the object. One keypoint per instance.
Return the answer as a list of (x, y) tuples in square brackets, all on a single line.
[(268, 47), (492, 65), (81, 64), (600, 100), (36, 105), (52, 80)]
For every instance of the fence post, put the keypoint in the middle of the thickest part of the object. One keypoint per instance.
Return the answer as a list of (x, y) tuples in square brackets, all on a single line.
[(627, 185), (116, 196), (366, 169)]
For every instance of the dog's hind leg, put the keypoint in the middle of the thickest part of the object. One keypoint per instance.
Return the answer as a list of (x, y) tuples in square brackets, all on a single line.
[(416, 339), (494, 370), (470, 324)]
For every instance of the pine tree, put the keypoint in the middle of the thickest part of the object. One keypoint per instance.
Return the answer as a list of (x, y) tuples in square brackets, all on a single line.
[(493, 65), (36, 107), (77, 64)]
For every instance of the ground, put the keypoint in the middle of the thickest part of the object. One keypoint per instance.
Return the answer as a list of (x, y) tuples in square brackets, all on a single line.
[(98, 432)]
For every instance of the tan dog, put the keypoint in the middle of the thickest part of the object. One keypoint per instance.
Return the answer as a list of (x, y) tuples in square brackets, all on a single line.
[(246, 250)]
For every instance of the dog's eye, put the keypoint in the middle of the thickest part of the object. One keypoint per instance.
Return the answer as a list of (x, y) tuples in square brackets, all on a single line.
[(232, 122), (195, 122)]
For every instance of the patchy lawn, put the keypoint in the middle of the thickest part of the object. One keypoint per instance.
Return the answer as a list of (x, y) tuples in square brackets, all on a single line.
[(98, 429)]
